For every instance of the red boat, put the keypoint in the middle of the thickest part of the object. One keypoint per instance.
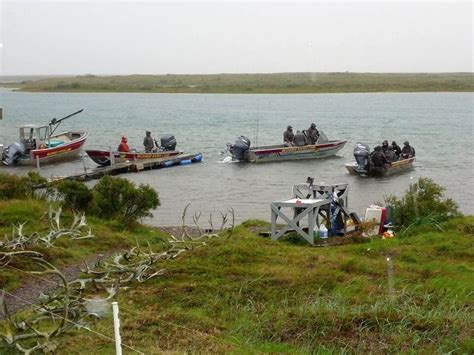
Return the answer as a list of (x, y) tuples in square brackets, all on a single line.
[(39, 144), (104, 157)]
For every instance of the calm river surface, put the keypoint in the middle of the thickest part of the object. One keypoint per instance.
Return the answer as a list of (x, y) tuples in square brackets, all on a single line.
[(438, 125)]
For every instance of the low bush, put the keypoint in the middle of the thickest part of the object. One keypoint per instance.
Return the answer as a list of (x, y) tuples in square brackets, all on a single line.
[(423, 203), (74, 195), (16, 187), (118, 198)]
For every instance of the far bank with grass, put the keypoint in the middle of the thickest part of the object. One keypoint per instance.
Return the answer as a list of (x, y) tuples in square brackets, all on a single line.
[(277, 83)]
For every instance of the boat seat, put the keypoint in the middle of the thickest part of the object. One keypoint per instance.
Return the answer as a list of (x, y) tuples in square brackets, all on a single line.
[(53, 144)]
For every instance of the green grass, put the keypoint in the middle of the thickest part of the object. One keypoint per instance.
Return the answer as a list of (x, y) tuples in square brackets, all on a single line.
[(109, 235), (255, 83), (251, 294)]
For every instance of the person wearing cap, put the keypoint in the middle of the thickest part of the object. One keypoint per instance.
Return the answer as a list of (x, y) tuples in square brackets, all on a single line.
[(288, 137), (123, 147), (148, 142), (407, 151), (312, 134)]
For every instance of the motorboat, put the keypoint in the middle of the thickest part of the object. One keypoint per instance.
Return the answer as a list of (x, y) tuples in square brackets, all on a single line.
[(243, 152), (38, 144)]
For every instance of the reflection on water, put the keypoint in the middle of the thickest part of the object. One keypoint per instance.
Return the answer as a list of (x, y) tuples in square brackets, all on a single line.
[(438, 125)]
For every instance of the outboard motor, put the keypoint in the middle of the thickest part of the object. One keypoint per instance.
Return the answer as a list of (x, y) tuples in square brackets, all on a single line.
[(361, 155), (240, 149), (168, 142), (13, 153)]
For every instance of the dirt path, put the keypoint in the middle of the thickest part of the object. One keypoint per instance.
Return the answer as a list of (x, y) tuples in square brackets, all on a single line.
[(32, 287)]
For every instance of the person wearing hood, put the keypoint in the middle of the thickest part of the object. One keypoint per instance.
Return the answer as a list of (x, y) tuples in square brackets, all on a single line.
[(300, 139), (312, 134), (390, 155), (288, 137), (378, 161), (396, 149), (123, 147), (385, 146), (148, 142), (407, 151)]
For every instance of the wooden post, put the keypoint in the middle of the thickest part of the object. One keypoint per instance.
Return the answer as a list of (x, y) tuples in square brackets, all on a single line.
[(37, 163), (118, 339)]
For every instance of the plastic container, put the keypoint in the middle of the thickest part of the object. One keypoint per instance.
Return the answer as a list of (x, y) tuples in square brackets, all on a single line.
[(323, 231)]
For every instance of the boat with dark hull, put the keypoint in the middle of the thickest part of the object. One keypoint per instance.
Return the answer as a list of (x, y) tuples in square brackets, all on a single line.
[(389, 169), (243, 152), (39, 145), (362, 165)]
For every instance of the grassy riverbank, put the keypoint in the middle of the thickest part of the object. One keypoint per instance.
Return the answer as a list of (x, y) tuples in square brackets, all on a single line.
[(255, 83), (251, 294)]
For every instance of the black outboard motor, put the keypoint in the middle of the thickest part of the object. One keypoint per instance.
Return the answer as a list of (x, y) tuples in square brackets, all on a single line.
[(361, 155), (240, 149), (12, 154), (168, 142)]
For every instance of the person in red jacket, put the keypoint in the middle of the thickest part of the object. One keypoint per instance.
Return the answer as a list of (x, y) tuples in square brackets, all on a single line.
[(123, 147)]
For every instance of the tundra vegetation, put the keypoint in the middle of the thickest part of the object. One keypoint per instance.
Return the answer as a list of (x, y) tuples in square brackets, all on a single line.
[(236, 291), (253, 83)]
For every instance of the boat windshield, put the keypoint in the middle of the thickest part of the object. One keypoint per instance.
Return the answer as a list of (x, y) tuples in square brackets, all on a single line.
[(322, 138), (43, 133)]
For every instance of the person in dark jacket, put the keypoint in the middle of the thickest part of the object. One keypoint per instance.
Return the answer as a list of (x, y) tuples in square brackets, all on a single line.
[(312, 134), (390, 155), (385, 146), (300, 139), (396, 148), (288, 137), (123, 147), (148, 142), (377, 161), (407, 151)]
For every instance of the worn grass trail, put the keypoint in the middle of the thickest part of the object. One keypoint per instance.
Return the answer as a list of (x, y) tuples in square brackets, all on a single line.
[(250, 294)]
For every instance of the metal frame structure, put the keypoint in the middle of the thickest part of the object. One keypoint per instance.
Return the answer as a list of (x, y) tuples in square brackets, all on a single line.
[(328, 201)]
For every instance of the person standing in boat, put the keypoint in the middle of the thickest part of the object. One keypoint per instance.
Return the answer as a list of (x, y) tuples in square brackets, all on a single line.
[(408, 151), (312, 134), (396, 149), (289, 137), (148, 142), (385, 147), (123, 147), (377, 161)]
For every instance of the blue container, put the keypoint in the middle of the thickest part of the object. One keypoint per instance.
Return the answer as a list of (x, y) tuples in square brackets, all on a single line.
[(197, 158), (168, 163), (186, 162)]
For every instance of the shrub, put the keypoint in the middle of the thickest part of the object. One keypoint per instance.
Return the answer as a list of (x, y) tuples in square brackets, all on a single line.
[(119, 198), (423, 202), (16, 187), (74, 195)]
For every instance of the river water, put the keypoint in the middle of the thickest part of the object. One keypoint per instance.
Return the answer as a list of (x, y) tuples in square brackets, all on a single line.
[(438, 125)]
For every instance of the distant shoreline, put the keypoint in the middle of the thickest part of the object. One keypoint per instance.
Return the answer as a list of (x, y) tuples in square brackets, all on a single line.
[(278, 83)]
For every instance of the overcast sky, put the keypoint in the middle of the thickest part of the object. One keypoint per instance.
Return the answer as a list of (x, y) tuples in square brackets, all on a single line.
[(156, 37)]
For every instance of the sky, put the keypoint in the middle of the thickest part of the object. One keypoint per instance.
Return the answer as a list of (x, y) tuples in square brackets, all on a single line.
[(155, 37)]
